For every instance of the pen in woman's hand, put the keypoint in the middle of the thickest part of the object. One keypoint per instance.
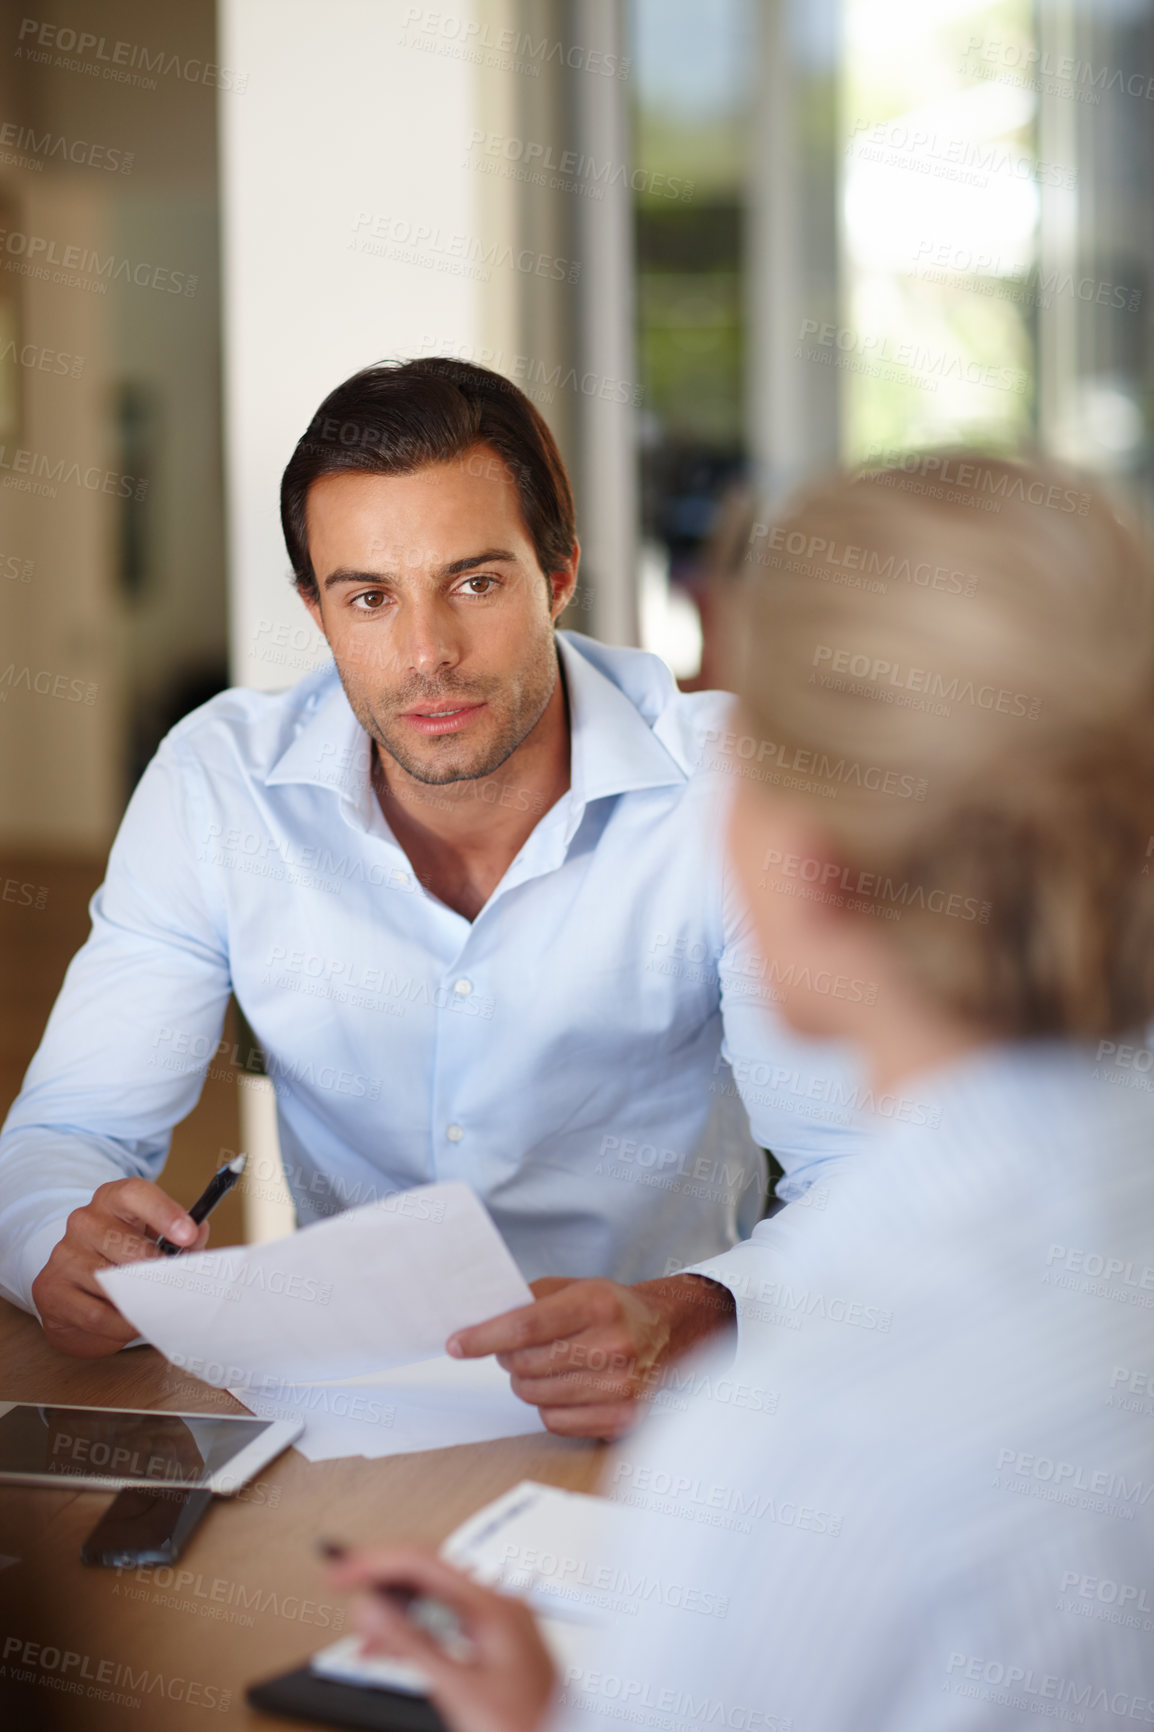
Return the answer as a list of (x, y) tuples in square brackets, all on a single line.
[(434, 1617)]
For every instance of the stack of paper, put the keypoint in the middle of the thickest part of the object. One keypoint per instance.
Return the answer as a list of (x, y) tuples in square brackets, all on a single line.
[(344, 1323)]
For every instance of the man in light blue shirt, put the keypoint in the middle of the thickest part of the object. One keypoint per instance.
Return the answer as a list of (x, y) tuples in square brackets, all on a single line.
[(467, 889)]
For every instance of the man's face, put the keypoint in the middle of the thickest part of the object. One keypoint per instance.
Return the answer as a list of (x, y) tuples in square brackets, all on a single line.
[(438, 615)]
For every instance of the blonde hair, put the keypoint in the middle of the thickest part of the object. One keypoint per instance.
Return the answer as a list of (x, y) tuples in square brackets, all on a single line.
[(952, 662)]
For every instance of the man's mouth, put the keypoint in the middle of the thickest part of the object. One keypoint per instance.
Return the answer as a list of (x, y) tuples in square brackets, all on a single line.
[(443, 718)]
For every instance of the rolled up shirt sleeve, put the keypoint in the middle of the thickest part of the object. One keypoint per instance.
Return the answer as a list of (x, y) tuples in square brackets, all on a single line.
[(751, 1270), (132, 1032)]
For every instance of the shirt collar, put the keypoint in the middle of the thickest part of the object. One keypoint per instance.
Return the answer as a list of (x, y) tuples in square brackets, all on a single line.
[(613, 749), (330, 748)]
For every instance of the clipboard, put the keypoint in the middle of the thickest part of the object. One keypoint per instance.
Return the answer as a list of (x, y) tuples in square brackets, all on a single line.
[(306, 1695)]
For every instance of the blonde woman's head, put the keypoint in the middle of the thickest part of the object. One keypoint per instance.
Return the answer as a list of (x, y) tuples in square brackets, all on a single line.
[(946, 673)]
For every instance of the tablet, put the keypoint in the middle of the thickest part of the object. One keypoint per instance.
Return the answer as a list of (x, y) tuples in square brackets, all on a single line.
[(108, 1448)]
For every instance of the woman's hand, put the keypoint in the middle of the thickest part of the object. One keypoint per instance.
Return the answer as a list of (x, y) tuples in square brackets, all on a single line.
[(506, 1681)]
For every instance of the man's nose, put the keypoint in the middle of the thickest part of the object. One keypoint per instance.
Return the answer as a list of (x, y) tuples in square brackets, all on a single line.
[(429, 641)]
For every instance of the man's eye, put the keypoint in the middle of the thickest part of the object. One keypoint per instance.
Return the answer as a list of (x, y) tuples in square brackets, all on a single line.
[(371, 601), (489, 584)]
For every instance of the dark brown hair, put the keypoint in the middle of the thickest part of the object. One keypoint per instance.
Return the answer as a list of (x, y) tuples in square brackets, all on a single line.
[(397, 416)]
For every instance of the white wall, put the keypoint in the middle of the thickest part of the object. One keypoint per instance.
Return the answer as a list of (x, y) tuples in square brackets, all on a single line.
[(348, 121)]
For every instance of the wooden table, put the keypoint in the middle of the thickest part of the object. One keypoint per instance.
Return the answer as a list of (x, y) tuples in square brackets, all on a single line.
[(173, 1650)]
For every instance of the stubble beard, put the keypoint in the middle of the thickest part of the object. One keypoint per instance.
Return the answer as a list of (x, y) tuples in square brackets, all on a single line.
[(517, 715)]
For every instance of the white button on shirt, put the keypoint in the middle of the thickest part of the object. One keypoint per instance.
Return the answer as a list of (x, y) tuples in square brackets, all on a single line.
[(575, 1027)]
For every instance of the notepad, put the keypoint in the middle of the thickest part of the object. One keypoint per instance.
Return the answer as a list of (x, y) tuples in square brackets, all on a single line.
[(548, 1545)]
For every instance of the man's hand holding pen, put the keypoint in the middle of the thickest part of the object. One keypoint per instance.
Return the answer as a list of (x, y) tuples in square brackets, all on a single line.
[(126, 1221), (121, 1224)]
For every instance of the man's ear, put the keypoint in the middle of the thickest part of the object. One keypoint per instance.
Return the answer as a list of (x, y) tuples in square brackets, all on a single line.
[(563, 583), (313, 604)]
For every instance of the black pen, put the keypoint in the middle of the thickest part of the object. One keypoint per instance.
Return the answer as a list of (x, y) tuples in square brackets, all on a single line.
[(432, 1616), (217, 1188)]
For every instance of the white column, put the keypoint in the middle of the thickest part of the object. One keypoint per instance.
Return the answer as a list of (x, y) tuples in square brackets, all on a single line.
[(268, 1207), (350, 232), (792, 245), (1058, 353), (607, 499)]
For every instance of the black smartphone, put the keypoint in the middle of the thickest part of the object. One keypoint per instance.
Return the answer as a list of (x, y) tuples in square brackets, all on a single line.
[(145, 1526), (305, 1695)]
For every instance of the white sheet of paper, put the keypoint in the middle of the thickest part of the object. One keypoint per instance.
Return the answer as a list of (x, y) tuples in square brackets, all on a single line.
[(431, 1405), (344, 1662), (374, 1288), (569, 1644)]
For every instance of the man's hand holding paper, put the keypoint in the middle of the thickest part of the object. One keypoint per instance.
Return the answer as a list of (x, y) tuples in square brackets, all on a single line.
[(587, 1353)]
